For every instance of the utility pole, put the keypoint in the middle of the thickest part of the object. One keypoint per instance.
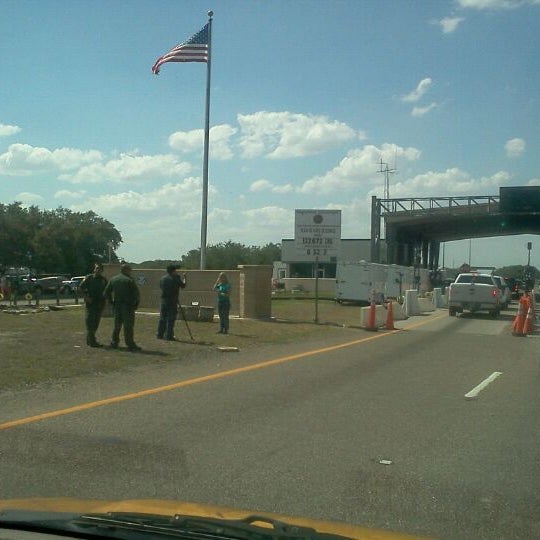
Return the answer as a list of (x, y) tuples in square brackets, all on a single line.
[(529, 275)]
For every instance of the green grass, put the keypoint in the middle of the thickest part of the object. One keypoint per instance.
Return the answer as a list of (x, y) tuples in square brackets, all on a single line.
[(47, 345)]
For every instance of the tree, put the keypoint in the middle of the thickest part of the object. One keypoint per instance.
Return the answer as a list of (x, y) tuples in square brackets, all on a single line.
[(54, 241), (223, 256), (517, 271)]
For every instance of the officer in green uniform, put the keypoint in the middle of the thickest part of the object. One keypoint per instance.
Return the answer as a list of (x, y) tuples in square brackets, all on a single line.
[(122, 292), (92, 287)]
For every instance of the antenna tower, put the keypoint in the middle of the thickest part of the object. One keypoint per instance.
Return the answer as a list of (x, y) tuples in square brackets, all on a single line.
[(384, 169)]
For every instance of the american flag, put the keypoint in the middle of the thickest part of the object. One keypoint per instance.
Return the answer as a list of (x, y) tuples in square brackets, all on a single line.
[(195, 49)]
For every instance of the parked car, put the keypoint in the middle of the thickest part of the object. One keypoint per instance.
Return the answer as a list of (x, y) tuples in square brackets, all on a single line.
[(48, 284), (505, 291), (70, 286), (21, 284)]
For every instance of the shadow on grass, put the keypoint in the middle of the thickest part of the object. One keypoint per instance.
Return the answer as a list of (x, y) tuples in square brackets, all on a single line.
[(306, 321), (144, 352), (195, 342)]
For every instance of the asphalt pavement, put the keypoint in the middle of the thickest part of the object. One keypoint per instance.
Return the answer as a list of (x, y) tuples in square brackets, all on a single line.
[(368, 428)]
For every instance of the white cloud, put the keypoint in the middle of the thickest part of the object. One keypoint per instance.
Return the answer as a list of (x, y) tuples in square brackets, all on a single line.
[(285, 188), (171, 213), (418, 112), (450, 24), (358, 168), (362, 135), (164, 200), (28, 199), (67, 194), (23, 159), (453, 181), (193, 141), (221, 215), (422, 87), (159, 224), (260, 185), (515, 147), (267, 217), (496, 4), (7, 130), (220, 146), (283, 135), (254, 226), (128, 168), (534, 182), (266, 185), (187, 141)]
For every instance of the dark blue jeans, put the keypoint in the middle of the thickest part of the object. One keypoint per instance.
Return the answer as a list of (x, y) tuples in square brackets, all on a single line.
[(167, 316), (224, 307)]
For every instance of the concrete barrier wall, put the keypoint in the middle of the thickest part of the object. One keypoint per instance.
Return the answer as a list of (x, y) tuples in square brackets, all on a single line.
[(381, 314), (398, 312), (255, 300), (437, 297), (410, 304), (251, 288), (425, 305)]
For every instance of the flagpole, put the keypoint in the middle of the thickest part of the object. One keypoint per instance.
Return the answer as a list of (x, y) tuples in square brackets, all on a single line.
[(204, 213)]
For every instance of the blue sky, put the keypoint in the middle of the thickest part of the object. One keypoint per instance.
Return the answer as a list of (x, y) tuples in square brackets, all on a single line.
[(306, 98)]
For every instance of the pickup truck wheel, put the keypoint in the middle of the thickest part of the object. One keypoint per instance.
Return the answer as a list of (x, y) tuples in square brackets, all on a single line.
[(452, 312)]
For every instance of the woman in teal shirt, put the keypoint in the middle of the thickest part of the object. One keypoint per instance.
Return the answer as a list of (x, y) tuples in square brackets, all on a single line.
[(223, 288)]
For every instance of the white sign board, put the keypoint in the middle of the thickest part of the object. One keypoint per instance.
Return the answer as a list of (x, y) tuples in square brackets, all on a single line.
[(317, 234)]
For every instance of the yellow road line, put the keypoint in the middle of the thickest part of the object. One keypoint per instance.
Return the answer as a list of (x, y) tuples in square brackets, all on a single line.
[(196, 380)]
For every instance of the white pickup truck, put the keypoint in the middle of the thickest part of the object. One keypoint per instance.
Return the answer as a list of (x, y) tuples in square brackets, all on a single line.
[(474, 292)]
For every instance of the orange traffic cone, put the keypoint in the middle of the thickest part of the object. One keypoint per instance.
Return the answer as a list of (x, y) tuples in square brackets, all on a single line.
[(390, 317), (519, 322), (372, 326), (529, 322)]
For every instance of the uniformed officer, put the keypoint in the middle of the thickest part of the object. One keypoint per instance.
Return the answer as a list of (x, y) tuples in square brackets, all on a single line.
[(170, 285), (122, 292), (92, 287)]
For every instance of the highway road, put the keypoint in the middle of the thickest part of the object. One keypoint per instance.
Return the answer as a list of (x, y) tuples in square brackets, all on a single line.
[(432, 429)]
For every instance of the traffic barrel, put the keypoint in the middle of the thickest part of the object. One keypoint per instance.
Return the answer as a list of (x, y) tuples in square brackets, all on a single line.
[(529, 321), (372, 324), (390, 316), (518, 329)]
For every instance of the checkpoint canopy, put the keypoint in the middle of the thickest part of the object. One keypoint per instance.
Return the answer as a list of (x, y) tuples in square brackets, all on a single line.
[(317, 235)]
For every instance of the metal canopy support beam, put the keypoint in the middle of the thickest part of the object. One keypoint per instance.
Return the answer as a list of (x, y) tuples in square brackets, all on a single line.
[(417, 226), (375, 229)]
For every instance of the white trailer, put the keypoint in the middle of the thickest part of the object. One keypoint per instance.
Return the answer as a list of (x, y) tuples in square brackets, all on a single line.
[(360, 281), (400, 279)]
